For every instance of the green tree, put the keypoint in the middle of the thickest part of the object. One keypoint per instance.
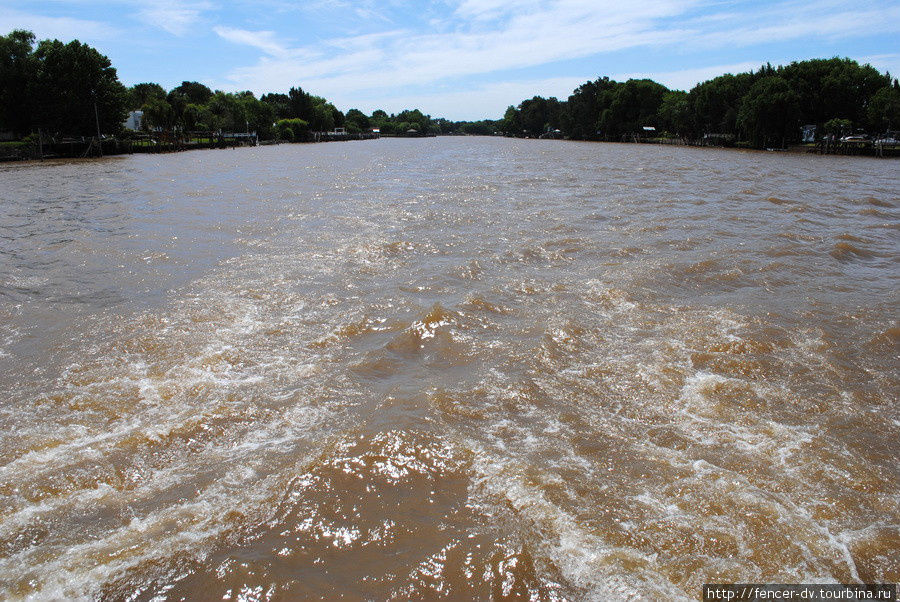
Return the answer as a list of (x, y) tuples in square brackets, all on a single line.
[(635, 104), (413, 119), (715, 103), (18, 69), (229, 112), (187, 93), (192, 92), (141, 94), (338, 115), (159, 114), (322, 117), (511, 124), (259, 115), (380, 120), (828, 88), (538, 115), (356, 121), (72, 80), (674, 115), (292, 129), (883, 110), (584, 107), (770, 113), (838, 127), (280, 103), (478, 128), (197, 117), (300, 104)]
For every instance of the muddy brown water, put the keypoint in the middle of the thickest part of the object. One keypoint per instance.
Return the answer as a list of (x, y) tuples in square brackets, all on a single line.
[(455, 367)]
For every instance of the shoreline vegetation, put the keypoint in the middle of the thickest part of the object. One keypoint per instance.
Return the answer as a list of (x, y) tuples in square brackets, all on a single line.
[(65, 100)]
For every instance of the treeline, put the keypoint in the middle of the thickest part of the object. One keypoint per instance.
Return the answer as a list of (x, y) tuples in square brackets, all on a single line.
[(65, 89), (485, 127), (292, 116), (760, 108), (71, 89)]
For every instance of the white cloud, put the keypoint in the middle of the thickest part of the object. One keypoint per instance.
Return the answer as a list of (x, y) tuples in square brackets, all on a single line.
[(883, 62), (174, 16), (493, 9), (264, 40), (820, 20), (562, 30), (63, 28), (482, 37)]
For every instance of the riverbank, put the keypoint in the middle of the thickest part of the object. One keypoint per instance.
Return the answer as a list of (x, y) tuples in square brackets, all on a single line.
[(866, 148), (85, 147)]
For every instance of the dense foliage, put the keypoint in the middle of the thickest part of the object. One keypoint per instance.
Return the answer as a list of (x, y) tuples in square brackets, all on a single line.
[(65, 89), (762, 108)]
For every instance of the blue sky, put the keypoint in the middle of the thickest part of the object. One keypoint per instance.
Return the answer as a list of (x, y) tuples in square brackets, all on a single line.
[(461, 59)]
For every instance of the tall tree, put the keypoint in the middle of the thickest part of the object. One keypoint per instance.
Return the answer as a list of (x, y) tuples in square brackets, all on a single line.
[(770, 112), (635, 104), (829, 88), (17, 72), (585, 106), (159, 114), (141, 94), (538, 115), (675, 113), (280, 103), (75, 85), (259, 115), (301, 104), (884, 109), (356, 121), (715, 103), (511, 124), (193, 92)]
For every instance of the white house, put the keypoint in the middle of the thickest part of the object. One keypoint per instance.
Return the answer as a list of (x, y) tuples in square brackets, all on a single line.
[(134, 121)]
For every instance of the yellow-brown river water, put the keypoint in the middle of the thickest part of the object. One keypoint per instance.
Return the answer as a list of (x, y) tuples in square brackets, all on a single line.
[(453, 367)]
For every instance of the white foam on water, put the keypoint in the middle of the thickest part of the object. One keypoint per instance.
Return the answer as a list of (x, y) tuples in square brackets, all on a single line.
[(709, 412), (210, 370), (585, 560), (72, 571)]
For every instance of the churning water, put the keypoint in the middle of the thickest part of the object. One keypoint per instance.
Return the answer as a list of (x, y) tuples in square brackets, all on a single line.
[(447, 367)]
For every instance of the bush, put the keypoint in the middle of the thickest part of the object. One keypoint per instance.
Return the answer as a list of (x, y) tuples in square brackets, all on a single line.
[(292, 129)]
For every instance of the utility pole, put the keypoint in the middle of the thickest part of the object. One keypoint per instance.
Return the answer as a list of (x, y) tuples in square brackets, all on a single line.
[(97, 121)]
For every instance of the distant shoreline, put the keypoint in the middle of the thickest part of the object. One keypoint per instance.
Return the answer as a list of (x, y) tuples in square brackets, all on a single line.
[(791, 150), (794, 149)]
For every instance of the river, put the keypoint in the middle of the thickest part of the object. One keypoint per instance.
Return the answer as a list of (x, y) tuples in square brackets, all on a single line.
[(447, 367)]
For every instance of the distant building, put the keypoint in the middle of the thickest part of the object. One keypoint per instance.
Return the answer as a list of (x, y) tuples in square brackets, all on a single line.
[(135, 121)]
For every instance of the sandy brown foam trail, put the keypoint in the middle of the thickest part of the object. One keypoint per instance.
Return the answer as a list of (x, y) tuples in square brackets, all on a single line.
[(433, 368)]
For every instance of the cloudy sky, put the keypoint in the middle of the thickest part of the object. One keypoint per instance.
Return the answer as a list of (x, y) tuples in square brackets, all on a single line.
[(461, 59)]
